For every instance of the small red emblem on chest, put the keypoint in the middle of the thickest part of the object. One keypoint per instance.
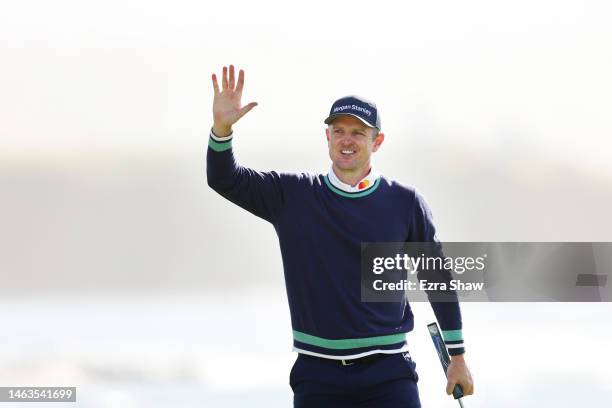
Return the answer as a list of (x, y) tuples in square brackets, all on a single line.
[(363, 184)]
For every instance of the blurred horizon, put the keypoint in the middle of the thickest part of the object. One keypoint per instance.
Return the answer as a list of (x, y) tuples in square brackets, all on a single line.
[(143, 223)]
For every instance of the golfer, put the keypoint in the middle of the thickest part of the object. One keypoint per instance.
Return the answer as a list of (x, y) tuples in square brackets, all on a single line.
[(351, 353)]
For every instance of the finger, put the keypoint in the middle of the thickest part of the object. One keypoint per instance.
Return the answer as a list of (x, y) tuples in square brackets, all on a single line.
[(215, 84), (232, 82), (224, 78), (450, 386), (467, 387), (470, 390), (246, 108), (240, 82)]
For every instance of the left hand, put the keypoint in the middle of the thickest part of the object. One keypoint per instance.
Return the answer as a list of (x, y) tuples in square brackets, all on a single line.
[(459, 373)]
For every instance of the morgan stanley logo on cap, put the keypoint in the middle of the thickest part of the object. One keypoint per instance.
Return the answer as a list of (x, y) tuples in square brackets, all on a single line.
[(358, 107)]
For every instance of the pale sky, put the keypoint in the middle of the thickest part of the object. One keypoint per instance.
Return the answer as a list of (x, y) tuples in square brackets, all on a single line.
[(87, 76)]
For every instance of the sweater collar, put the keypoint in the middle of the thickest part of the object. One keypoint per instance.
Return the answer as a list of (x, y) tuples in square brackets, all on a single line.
[(365, 186)]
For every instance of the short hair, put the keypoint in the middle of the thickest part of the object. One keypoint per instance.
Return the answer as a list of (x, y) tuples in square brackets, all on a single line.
[(376, 133)]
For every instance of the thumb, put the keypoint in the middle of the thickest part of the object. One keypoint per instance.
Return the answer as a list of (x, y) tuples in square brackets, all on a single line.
[(246, 108)]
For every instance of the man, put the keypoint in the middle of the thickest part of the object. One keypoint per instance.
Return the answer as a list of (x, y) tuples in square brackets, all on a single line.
[(351, 353)]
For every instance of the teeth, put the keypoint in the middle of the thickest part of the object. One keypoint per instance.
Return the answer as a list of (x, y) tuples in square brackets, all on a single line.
[(348, 151)]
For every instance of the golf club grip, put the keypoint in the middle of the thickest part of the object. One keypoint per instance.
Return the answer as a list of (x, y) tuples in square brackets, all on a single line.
[(458, 392)]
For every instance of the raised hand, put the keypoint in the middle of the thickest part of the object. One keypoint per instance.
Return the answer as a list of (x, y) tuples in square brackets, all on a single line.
[(227, 108)]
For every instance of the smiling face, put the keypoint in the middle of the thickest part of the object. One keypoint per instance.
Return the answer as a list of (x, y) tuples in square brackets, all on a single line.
[(351, 144)]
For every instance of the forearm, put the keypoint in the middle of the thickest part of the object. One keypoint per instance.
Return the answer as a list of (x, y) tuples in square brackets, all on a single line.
[(221, 168), (260, 193)]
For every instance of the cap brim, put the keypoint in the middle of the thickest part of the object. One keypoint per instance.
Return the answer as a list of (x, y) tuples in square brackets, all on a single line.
[(331, 118)]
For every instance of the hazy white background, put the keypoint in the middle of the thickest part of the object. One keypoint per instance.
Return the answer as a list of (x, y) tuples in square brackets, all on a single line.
[(124, 275)]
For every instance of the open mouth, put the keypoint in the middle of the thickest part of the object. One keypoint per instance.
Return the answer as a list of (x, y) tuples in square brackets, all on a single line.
[(347, 152)]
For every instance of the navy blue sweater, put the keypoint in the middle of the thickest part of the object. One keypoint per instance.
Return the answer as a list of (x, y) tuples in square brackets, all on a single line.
[(320, 229)]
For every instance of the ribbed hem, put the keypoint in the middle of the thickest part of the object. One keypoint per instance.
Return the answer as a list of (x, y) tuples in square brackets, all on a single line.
[(221, 139), (401, 349), (455, 351), (348, 348), (454, 341), (220, 144)]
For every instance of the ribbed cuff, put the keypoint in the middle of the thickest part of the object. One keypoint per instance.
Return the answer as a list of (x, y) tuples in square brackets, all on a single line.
[(454, 341), (220, 144)]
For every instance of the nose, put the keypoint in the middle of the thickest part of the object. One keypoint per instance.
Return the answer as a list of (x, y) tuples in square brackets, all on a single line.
[(346, 139)]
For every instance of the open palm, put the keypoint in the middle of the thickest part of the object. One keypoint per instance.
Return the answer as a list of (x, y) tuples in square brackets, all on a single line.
[(227, 108)]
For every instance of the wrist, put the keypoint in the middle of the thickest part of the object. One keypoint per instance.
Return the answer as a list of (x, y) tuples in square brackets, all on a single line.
[(458, 358), (221, 130)]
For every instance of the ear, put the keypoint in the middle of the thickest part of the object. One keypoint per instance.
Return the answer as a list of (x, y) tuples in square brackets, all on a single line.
[(378, 141), (327, 133)]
